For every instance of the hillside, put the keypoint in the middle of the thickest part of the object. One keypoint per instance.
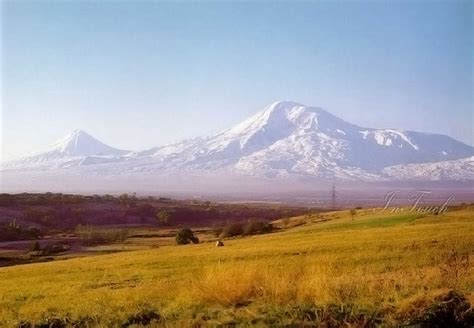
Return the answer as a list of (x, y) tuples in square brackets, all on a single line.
[(66, 211), (328, 268)]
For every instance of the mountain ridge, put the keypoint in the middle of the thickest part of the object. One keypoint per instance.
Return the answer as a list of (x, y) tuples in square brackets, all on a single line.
[(285, 138)]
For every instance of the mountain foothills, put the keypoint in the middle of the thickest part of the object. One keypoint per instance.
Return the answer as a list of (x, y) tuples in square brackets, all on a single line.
[(286, 139)]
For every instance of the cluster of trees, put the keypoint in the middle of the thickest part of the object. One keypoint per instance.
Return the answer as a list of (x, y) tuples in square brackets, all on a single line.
[(67, 211), (62, 216), (186, 236), (92, 235), (13, 231), (41, 199), (50, 198), (194, 215), (252, 227), (201, 215)]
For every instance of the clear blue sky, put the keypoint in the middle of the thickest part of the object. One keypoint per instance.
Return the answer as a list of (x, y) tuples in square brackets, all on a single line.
[(142, 74)]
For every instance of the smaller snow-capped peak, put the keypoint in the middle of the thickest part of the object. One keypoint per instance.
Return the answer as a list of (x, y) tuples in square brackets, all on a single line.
[(75, 149), (80, 143)]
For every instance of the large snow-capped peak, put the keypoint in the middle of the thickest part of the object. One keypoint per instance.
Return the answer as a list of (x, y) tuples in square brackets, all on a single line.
[(280, 120), (290, 115), (288, 137), (275, 122), (80, 143)]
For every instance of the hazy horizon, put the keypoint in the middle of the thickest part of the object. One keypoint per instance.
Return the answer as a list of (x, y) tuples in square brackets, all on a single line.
[(139, 75)]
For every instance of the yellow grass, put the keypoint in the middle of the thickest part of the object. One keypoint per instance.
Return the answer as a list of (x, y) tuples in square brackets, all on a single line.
[(377, 263)]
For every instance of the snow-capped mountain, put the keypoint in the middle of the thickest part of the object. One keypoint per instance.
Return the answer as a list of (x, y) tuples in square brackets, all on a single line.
[(75, 149), (290, 138), (285, 139), (456, 170), (79, 143)]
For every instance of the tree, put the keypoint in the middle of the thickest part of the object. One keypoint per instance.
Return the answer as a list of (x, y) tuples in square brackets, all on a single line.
[(186, 236), (164, 217), (124, 199)]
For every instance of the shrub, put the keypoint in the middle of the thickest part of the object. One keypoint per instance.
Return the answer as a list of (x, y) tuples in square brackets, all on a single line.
[(143, 318), (446, 310), (454, 268), (55, 248), (186, 236)]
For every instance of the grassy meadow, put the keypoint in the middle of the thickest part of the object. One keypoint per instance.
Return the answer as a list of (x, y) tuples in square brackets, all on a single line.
[(330, 270)]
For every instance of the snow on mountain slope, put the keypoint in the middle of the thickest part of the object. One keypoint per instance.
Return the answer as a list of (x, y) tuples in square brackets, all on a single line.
[(456, 170), (285, 139), (288, 138), (80, 143), (76, 149)]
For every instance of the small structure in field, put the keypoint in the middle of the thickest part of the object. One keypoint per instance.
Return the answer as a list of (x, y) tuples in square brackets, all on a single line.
[(219, 243)]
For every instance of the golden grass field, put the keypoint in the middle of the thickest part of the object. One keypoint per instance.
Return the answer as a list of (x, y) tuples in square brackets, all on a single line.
[(378, 268)]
